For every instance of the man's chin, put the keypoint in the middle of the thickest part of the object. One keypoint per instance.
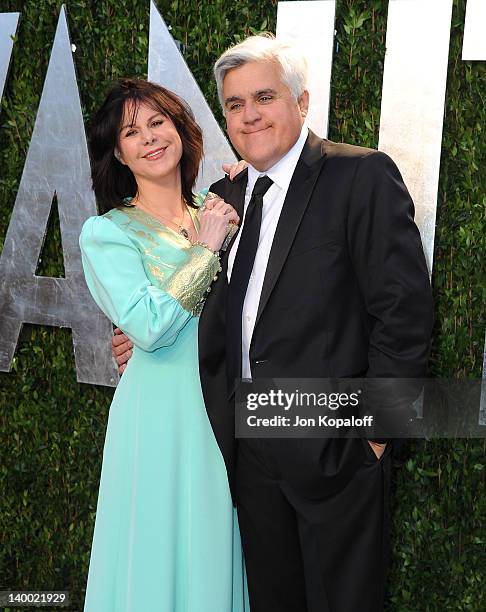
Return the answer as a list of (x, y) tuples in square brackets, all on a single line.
[(258, 161)]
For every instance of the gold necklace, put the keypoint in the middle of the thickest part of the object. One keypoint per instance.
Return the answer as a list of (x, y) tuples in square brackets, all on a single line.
[(183, 231)]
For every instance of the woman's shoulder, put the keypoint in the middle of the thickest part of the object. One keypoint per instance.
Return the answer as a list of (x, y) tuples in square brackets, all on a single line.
[(103, 228)]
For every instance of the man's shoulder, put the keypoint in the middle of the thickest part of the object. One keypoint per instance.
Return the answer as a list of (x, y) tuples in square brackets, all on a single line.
[(344, 157), (224, 187), (219, 186), (343, 150)]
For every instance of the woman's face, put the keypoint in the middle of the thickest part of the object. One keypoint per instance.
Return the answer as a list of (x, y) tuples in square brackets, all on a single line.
[(149, 143)]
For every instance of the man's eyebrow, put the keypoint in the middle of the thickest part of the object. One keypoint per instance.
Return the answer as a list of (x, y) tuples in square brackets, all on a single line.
[(255, 94), (232, 99), (262, 92)]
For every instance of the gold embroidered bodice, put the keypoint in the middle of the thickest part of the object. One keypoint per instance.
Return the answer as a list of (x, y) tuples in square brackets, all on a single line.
[(171, 262)]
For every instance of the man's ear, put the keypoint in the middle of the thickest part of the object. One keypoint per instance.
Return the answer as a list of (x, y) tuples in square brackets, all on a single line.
[(303, 103)]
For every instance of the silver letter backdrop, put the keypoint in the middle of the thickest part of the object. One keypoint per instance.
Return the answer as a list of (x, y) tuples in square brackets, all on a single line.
[(414, 82)]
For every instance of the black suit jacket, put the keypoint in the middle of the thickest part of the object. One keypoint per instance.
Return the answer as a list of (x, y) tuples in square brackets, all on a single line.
[(346, 294)]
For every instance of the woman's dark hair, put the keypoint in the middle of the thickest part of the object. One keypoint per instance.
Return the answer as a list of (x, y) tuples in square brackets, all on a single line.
[(112, 180)]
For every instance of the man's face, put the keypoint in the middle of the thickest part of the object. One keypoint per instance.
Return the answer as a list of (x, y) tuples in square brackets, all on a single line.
[(262, 117)]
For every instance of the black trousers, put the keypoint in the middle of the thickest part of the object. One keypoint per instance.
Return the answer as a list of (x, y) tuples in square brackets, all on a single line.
[(313, 555)]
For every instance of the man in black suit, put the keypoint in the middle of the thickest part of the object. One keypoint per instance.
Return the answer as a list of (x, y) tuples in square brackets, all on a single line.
[(338, 288), (326, 278)]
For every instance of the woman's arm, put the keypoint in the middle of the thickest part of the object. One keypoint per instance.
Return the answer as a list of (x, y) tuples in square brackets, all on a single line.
[(149, 315)]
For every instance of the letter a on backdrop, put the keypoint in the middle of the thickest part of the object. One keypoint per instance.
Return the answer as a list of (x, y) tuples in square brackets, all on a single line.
[(167, 67), (57, 164)]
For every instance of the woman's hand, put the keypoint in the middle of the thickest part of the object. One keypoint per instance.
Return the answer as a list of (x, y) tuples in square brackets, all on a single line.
[(214, 222), (233, 169)]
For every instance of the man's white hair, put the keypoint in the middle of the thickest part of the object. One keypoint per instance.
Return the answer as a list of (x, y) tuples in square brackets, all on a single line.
[(265, 48)]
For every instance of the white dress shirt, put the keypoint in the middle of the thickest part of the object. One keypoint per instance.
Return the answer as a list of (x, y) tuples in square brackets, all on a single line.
[(281, 174)]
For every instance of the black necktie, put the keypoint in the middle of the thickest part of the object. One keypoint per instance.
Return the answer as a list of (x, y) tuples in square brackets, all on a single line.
[(240, 275)]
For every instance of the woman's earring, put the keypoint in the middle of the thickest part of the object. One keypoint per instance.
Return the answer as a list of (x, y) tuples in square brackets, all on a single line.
[(117, 155)]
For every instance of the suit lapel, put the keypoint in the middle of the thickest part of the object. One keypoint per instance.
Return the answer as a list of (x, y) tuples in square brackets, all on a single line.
[(296, 201), (233, 191), (234, 194)]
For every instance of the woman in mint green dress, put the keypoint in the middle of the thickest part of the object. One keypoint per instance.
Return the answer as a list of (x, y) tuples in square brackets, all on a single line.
[(166, 536)]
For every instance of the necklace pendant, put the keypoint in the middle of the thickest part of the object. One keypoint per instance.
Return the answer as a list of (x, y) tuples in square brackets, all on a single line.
[(184, 232)]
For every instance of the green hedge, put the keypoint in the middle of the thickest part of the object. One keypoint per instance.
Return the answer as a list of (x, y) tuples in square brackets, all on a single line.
[(52, 428)]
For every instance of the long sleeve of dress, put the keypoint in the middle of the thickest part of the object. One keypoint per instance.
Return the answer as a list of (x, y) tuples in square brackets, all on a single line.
[(151, 316)]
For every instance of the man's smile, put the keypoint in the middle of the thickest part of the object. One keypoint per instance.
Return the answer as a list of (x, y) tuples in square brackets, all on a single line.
[(259, 131)]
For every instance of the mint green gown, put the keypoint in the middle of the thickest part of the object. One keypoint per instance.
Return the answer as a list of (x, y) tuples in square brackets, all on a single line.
[(166, 536)]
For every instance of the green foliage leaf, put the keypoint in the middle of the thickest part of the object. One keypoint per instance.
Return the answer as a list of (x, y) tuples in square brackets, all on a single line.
[(52, 428)]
